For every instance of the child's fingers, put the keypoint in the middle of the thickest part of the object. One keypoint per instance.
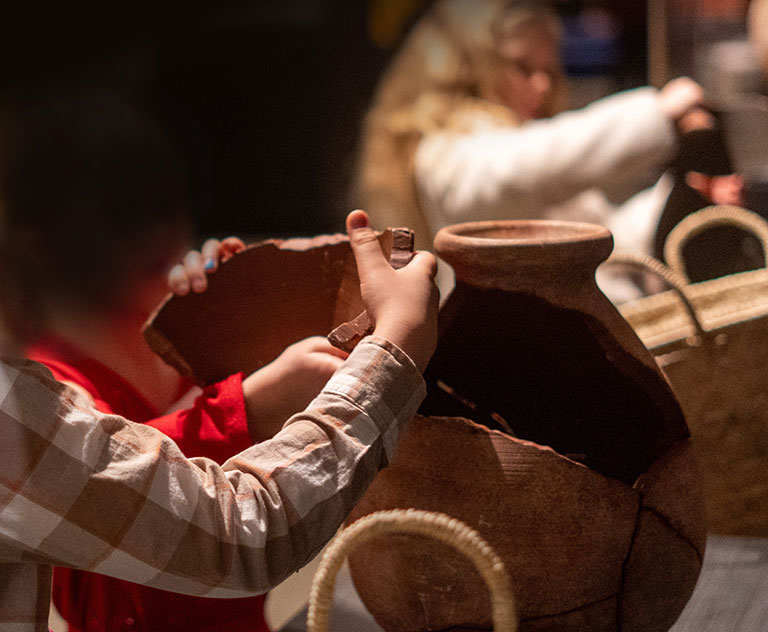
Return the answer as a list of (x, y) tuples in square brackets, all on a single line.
[(365, 246), (210, 253), (215, 251), (193, 264), (318, 344), (425, 260), (178, 282), (700, 182), (328, 364), (231, 246)]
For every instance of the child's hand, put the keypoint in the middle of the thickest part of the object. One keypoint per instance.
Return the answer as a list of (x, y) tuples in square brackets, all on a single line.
[(191, 273), (402, 303), (679, 97), (288, 384), (718, 189)]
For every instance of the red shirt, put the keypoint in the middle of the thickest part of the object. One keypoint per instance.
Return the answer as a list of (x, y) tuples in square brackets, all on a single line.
[(215, 427)]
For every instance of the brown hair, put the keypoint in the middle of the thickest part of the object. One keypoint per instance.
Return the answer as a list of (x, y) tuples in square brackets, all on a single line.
[(92, 189), (445, 68)]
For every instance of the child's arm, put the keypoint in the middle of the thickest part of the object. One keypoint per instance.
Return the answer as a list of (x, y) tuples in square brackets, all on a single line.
[(190, 525), (215, 421), (397, 301), (290, 382), (275, 392)]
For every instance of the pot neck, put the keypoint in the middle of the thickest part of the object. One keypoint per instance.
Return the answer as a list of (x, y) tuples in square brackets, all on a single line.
[(550, 259)]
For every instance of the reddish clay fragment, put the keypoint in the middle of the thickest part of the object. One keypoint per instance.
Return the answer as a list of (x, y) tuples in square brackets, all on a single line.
[(272, 294)]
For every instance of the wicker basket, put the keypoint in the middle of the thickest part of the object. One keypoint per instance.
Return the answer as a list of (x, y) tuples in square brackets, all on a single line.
[(425, 523), (711, 339)]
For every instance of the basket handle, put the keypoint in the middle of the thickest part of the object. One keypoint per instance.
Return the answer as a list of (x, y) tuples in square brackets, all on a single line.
[(718, 215), (429, 523), (673, 280)]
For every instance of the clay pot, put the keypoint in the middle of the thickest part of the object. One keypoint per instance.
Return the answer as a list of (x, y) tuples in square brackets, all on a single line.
[(550, 429)]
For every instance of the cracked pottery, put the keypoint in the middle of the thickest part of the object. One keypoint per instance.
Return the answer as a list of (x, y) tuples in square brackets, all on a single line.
[(593, 504)]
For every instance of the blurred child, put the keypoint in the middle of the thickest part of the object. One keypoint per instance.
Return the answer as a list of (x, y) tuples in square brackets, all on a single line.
[(468, 124), (95, 217)]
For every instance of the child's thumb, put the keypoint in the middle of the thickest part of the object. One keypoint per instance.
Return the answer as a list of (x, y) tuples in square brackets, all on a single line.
[(365, 245)]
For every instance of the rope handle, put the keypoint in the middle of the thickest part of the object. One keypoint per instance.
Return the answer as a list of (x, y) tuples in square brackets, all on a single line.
[(698, 222), (673, 279), (428, 523)]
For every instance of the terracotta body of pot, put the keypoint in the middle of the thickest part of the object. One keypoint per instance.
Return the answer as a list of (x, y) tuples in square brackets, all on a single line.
[(593, 504)]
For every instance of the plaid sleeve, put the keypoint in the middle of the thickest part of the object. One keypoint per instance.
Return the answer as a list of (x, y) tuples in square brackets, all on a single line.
[(96, 492)]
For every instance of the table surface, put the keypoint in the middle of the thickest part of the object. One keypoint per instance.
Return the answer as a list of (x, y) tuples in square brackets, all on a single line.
[(731, 594)]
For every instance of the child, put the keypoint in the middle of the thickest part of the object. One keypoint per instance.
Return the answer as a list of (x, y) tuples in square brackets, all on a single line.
[(467, 124), (189, 525), (95, 218)]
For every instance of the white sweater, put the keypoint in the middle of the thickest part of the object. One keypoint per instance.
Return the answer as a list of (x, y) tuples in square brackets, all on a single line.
[(581, 165)]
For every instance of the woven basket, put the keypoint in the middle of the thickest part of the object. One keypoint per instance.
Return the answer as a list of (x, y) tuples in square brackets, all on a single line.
[(711, 340), (425, 523)]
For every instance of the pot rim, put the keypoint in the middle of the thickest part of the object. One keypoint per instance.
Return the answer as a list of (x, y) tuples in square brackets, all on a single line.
[(533, 232), (502, 246)]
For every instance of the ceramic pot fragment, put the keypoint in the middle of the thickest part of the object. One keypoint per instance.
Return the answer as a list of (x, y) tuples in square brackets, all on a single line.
[(272, 294)]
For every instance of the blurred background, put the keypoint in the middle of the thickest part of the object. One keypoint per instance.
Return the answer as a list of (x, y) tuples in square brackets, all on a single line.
[(266, 97)]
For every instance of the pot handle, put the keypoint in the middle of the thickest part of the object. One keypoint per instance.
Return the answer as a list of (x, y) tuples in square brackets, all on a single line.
[(718, 215), (428, 523), (673, 279)]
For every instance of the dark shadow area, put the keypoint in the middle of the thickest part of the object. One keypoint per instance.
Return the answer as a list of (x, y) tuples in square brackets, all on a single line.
[(265, 98), (555, 375)]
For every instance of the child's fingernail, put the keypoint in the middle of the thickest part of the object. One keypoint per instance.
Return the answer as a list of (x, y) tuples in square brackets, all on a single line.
[(198, 285), (358, 220), (209, 265), (182, 289)]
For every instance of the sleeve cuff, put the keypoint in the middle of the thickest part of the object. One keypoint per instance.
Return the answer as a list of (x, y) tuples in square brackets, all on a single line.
[(231, 400), (380, 380)]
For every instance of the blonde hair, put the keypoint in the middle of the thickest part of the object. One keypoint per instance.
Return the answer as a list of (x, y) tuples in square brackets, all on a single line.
[(757, 22), (445, 69)]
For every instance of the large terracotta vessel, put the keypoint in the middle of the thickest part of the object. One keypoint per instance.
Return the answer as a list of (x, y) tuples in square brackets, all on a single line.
[(548, 428)]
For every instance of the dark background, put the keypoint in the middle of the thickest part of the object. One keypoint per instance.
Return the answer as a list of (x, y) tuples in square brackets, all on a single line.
[(265, 97)]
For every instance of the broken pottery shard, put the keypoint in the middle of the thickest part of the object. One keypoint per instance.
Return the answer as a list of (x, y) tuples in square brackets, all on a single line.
[(347, 335), (263, 299), (402, 247)]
